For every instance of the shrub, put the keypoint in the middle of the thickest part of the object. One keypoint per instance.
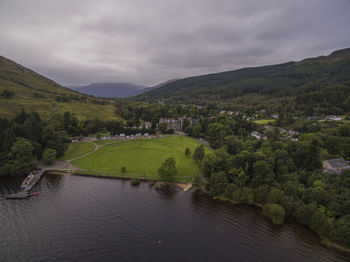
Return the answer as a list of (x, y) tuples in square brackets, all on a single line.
[(275, 212), (135, 181), (49, 156)]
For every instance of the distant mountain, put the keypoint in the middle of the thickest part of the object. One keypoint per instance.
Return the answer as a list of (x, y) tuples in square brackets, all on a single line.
[(21, 87), (311, 80), (111, 89)]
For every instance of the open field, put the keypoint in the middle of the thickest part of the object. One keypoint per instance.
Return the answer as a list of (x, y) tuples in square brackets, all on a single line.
[(264, 121), (143, 158), (103, 142), (77, 149)]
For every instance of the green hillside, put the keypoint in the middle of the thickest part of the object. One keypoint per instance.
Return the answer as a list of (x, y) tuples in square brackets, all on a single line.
[(323, 81), (21, 87)]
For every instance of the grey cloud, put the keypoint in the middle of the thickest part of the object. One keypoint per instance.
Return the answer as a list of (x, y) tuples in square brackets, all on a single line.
[(150, 41)]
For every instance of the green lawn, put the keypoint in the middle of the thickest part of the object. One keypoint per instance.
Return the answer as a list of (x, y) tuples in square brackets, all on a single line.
[(77, 149), (103, 142), (143, 157), (264, 121)]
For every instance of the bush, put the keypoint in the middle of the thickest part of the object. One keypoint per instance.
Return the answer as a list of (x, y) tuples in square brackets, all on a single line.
[(275, 212), (168, 169), (49, 156), (123, 169), (7, 94), (135, 181)]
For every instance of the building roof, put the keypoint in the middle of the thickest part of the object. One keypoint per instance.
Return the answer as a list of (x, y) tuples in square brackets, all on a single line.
[(338, 163)]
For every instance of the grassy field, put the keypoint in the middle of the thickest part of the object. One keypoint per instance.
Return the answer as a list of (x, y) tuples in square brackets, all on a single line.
[(143, 157), (264, 121), (77, 149), (103, 142)]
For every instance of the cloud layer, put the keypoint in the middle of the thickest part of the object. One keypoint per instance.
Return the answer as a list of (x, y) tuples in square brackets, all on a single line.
[(151, 41)]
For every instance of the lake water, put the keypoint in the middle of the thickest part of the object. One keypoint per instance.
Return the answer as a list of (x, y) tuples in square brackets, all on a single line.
[(92, 219)]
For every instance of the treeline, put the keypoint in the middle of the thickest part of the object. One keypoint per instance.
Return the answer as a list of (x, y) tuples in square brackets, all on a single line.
[(282, 176), (26, 138), (136, 113)]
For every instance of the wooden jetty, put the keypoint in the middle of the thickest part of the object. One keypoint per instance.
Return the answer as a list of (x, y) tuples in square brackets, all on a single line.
[(26, 187)]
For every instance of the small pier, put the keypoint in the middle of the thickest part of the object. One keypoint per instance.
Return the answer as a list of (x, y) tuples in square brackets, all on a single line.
[(27, 185), (184, 187)]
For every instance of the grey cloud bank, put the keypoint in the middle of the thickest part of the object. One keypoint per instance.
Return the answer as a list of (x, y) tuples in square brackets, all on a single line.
[(150, 41)]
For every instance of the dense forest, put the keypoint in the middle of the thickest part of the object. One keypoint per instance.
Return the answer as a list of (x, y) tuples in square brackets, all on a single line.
[(283, 177)]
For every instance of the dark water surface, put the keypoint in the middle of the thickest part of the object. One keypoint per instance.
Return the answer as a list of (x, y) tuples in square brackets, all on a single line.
[(92, 219)]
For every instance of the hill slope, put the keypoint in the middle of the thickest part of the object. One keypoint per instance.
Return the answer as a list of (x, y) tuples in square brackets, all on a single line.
[(21, 87), (293, 79), (111, 89)]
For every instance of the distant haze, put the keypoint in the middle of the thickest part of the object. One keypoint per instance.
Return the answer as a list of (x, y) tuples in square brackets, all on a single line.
[(111, 89), (150, 41)]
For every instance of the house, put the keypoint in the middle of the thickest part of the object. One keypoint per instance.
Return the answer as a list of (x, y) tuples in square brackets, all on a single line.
[(294, 139), (283, 131), (171, 123), (275, 116), (176, 124), (257, 135), (333, 118), (292, 133), (267, 127), (146, 125), (78, 139), (335, 166), (222, 112)]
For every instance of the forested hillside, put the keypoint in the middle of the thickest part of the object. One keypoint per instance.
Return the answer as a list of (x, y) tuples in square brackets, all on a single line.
[(322, 82), (21, 87)]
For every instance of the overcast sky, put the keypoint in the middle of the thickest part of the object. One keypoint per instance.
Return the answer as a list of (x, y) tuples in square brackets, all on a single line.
[(76, 42)]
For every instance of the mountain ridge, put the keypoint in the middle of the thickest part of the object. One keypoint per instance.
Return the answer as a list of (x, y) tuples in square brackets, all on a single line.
[(261, 80)]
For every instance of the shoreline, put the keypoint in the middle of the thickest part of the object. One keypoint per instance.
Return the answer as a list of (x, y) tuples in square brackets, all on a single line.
[(325, 241), (183, 186)]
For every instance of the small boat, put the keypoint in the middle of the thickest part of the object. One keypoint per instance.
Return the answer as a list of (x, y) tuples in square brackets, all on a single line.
[(28, 180), (34, 194)]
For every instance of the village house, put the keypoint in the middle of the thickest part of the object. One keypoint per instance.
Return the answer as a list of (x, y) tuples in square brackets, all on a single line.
[(283, 131), (292, 133), (78, 139), (176, 124), (267, 127), (257, 135), (335, 166), (146, 125), (333, 118), (171, 123), (275, 116)]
